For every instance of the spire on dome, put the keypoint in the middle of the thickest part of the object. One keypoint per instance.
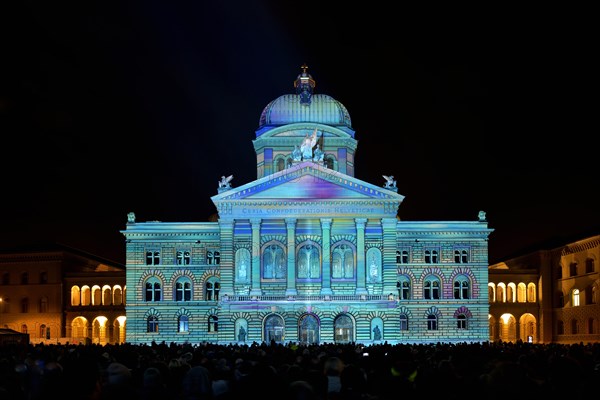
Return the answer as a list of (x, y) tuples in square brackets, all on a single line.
[(304, 85)]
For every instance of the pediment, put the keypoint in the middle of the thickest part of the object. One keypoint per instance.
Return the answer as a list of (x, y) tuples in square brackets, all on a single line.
[(308, 181)]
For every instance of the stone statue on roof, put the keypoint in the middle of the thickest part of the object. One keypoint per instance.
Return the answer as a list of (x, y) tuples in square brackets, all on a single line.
[(307, 145)]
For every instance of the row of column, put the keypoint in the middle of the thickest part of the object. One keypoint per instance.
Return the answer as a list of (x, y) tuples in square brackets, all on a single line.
[(227, 258)]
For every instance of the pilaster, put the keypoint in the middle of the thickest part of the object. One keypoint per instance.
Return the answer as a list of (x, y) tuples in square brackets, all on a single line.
[(226, 263), (361, 289), (326, 234), (290, 224), (255, 289)]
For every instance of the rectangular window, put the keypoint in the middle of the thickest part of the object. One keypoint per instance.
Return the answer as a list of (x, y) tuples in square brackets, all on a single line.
[(183, 257), (461, 255), (152, 257), (432, 256), (573, 269), (403, 256)]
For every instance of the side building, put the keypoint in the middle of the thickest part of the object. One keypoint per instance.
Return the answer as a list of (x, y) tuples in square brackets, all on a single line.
[(547, 295), (307, 252), (58, 294)]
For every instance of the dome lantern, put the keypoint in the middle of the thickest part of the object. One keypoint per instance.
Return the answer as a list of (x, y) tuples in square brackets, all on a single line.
[(304, 85)]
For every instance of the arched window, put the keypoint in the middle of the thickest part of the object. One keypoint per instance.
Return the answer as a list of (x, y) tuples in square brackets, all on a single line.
[(404, 287), (521, 292), (25, 278), (511, 292), (491, 296), (106, 295), (432, 322), (531, 294), (403, 322), (343, 329), (274, 263), (342, 261), (461, 321), (279, 164), (86, 296), (212, 288), (96, 295), (592, 326), (308, 330), (75, 296), (589, 266), (152, 324), (43, 277), (274, 329), (44, 304), (117, 296), (501, 293), (183, 323), (183, 289), (309, 263), (462, 288), (153, 289), (6, 278), (329, 162), (575, 298), (431, 288), (574, 327), (573, 269), (213, 323)]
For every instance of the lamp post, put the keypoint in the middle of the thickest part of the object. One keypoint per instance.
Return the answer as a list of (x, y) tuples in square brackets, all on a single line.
[(1, 310)]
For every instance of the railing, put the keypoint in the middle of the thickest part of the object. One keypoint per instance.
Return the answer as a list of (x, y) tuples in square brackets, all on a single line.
[(345, 298)]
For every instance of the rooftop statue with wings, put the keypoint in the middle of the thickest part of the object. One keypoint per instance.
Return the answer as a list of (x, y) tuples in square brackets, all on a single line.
[(390, 182), (224, 183)]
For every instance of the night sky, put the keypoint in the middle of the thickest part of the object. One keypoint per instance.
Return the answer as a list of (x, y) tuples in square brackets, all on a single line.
[(112, 107)]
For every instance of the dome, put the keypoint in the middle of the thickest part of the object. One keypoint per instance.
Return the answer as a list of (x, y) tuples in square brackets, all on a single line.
[(290, 108)]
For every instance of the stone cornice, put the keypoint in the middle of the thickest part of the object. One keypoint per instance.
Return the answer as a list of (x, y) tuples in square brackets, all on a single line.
[(312, 169)]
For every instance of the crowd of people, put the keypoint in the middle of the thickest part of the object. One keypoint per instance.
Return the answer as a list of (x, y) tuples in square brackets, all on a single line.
[(492, 370)]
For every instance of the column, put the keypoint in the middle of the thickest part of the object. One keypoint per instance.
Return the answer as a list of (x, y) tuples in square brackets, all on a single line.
[(290, 224), (390, 270), (326, 277), (255, 290), (361, 288), (226, 250)]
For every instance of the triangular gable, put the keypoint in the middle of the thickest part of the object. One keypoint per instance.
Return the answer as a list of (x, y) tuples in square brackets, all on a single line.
[(308, 181)]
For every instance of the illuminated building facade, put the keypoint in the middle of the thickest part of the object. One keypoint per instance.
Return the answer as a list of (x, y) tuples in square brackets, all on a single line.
[(307, 252), (547, 296), (58, 294)]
